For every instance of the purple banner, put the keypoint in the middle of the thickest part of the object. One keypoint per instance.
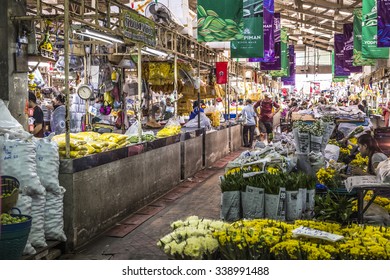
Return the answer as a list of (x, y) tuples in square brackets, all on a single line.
[(268, 29), (383, 26), (348, 49), (290, 81), (277, 63), (339, 43)]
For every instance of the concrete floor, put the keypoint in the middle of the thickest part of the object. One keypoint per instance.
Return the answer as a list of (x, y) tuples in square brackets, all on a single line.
[(138, 234)]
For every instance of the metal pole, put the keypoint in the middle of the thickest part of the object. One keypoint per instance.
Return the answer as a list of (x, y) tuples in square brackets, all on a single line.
[(228, 93), (139, 46), (175, 84), (236, 94), (198, 91), (67, 95)]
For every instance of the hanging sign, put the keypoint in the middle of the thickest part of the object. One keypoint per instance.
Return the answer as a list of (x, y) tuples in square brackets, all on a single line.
[(348, 49), (383, 26), (369, 32), (276, 64), (358, 59), (290, 80), (339, 69), (252, 43), (222, 72), (220, 20), (283, 56), (268, 27), (138, 28), (336, 79)]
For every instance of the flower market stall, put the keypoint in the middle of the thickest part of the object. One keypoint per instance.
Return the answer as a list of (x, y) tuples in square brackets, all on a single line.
[(296, 198)]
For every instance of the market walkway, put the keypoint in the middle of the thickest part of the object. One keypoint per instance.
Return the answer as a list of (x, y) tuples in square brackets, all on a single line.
[(136, 236)]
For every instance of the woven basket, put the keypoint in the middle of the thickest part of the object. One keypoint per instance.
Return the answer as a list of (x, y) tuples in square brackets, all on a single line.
[(13, 239), (9, 185)]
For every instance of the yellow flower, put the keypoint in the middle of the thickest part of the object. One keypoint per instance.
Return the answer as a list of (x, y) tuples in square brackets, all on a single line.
[(353, 140), (273, 170)]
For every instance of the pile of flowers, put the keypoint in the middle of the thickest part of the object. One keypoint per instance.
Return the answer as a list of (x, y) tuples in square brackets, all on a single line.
[(326, 175), (361, 162), (380, 200), (192, 239), (271, 239)]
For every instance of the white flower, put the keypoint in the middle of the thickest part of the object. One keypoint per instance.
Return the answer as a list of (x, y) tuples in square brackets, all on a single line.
[(194, 247), (177, 224), (177, 248), (217, 224)]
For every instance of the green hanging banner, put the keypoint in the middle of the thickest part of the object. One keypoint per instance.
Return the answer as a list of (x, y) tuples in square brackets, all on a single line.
[(220, 20), (252, 44), (336, 79), (358, 59), (284, 72), (369, 32)]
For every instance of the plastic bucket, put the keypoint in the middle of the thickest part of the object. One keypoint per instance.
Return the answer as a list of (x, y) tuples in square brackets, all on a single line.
[(13, 239)]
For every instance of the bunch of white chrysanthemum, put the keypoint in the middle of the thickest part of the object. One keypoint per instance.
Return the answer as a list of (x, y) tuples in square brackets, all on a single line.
[(191, 238)]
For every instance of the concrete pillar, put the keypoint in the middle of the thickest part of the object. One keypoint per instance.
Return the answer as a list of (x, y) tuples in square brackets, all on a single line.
[(13, 86)]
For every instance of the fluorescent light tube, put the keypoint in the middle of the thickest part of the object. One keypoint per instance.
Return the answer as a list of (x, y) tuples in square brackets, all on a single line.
[(101, 35), (93, 37), (155, 52)]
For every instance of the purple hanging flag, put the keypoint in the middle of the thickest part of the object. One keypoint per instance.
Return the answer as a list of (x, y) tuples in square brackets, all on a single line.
[(383, 24), (277, 63), (290, 81), (348, 49), (268, 30), (339, 43)]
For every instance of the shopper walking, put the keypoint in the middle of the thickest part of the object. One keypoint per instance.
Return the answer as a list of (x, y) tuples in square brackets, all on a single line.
[(268, 109), (249, 124)]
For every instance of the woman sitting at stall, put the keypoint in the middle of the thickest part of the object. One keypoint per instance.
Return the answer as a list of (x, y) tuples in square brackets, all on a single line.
[(368, 146)]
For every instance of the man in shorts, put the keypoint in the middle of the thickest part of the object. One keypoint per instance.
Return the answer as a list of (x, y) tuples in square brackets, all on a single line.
[(266, 115)]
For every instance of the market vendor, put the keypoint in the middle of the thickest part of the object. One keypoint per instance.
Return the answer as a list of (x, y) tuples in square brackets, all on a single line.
[(195, 110), (368, 146), (57, 121), (36, 117), (169, 109), (266, 115)]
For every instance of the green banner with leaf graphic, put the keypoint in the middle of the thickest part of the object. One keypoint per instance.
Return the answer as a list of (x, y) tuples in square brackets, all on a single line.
[(284, 72), (358, 59), (369, 32), (336, 79), (220, 20)]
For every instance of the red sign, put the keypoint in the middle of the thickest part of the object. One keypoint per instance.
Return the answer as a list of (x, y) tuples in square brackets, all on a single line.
[(222, 72)]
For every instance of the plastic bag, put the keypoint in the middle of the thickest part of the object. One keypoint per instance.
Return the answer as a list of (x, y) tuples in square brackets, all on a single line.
[(383, 171), (54, 219), (204, 122), (332, 152), (133, 129), (6, 119)]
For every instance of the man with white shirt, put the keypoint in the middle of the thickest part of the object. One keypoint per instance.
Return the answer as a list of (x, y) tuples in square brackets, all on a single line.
[(249, 124)]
